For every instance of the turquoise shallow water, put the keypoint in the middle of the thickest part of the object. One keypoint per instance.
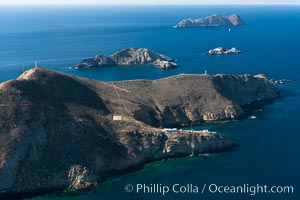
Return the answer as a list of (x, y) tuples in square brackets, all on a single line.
[(268, 151)]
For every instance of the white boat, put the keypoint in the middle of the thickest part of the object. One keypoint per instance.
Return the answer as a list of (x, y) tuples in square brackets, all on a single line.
[(252, 117)]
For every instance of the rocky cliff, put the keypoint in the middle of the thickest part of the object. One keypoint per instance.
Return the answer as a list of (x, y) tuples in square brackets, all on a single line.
[(56, 130), (129, 57), (213, 20)]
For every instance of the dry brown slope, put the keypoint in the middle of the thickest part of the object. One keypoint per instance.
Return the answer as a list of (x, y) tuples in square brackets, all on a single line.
[(56, 130)]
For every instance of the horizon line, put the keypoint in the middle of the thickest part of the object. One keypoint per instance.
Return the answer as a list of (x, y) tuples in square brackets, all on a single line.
[(147, 4)]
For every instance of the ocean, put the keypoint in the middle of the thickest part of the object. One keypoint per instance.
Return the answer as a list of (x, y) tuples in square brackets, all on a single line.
[(268, 151)]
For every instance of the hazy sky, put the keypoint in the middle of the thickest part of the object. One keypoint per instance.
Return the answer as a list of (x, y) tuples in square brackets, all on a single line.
[(20, 2)]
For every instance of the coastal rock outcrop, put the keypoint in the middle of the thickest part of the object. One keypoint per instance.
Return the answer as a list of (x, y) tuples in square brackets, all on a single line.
[(58, 131), (213, 20), (129, 57), (223, 51)]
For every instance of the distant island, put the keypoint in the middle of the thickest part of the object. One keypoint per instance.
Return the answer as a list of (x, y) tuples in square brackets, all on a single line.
[(129, 57), (213, 20), (61, 131), (223, 51)]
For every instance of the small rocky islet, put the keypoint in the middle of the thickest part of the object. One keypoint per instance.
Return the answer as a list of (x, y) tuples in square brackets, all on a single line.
[(129, 57), (211, 21), (223, 51), (74, 132)]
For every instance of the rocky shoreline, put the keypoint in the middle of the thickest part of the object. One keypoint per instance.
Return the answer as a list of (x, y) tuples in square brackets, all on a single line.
[(83, 180), (74, 132)]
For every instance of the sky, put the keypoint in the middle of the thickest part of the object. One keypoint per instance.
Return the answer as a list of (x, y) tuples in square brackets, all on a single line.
[(143, 2)]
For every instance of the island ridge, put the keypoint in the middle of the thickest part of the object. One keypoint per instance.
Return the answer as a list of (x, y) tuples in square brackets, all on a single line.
[(59, 131)]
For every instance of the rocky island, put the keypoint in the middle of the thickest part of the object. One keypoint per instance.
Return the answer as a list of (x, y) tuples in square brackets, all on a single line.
[(213, 20), (60, 131), (223, 51), (129, 57)]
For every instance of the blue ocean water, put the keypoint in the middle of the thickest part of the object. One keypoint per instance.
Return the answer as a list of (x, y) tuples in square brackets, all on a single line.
[(268, 151)]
